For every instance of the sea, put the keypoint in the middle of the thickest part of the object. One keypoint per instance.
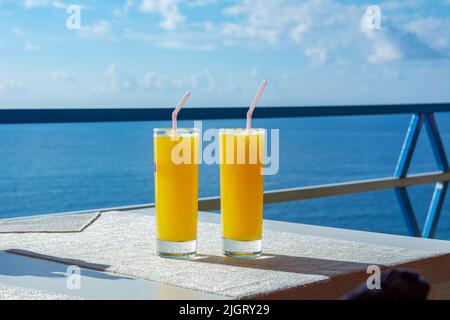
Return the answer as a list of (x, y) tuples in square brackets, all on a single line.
[(54, 168)]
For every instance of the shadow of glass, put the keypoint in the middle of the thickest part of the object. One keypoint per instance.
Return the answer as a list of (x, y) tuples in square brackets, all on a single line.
[(285, 263), (18, 262)]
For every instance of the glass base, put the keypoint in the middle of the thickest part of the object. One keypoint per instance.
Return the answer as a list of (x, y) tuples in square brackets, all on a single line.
[(241, 249), (176, 250)]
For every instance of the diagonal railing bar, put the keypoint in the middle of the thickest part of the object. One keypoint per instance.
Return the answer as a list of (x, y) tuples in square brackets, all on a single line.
[(409, 145), (436, 142), (408, 211)]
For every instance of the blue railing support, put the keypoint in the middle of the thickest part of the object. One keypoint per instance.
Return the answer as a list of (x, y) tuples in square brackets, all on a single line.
[(408, 212), (401, 171)]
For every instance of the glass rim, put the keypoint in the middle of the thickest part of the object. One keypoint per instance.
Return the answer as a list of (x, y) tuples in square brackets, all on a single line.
[(177, 130), (241, 130)]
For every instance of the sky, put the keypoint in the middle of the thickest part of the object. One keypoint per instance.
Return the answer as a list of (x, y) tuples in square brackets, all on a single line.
[(147, 53)]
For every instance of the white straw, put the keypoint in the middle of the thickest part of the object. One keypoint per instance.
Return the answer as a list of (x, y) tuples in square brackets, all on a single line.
[(178, 108), (254, 103)]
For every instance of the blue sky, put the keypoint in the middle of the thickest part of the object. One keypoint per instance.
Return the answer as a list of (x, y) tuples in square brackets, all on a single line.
[(148, 52)]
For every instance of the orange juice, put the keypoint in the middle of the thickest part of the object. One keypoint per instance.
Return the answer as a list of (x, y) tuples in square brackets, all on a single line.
[(176, 189), (241, 186)]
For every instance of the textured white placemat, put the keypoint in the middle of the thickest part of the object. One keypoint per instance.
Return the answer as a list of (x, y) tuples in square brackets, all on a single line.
[(50, 223), (18, 293), (124, 243)]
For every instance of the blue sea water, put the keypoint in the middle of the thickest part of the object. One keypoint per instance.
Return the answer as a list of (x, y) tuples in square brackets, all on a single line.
[(50, 168)]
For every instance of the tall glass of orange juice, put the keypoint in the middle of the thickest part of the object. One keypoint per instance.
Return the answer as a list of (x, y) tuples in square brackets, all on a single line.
[(176, 191), (241, 191)]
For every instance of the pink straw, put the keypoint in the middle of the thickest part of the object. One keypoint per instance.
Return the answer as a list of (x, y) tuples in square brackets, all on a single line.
[(178, 108), (254, 103)]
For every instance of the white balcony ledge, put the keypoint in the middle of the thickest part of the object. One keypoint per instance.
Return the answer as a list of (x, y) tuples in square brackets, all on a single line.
[(116, 254)]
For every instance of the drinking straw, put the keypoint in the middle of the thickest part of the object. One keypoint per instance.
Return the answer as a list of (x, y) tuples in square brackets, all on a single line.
[(254, 103), (178, 108)]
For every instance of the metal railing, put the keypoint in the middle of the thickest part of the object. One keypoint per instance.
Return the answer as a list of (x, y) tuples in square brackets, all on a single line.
[(421, 114)]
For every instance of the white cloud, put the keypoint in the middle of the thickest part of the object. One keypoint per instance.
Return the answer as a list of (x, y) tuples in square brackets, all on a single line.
[(255, 21), (200, 81), (384, 51), (317, 56), (62, 75), (412, 41), (168, 9), (121, 11), (59, 5), (321, 28), (203, 81), (434, 31), (119, 80), (99, 29), (12, 87), (128, 5), (19, 32), (253, 72), (318, 29), (155, 81), (29, 4), (35, 3), (401, 4), (266, 22), (202, 3), (182, 39), (380, 48), (158, 82), (232, 85), (32, 47), (297, 33)]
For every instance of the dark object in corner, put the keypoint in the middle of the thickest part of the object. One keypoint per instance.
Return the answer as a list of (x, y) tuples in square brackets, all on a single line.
[(397, 284)]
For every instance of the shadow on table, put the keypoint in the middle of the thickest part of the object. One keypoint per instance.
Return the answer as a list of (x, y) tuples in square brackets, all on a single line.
[(285, 263), (17, 262)]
